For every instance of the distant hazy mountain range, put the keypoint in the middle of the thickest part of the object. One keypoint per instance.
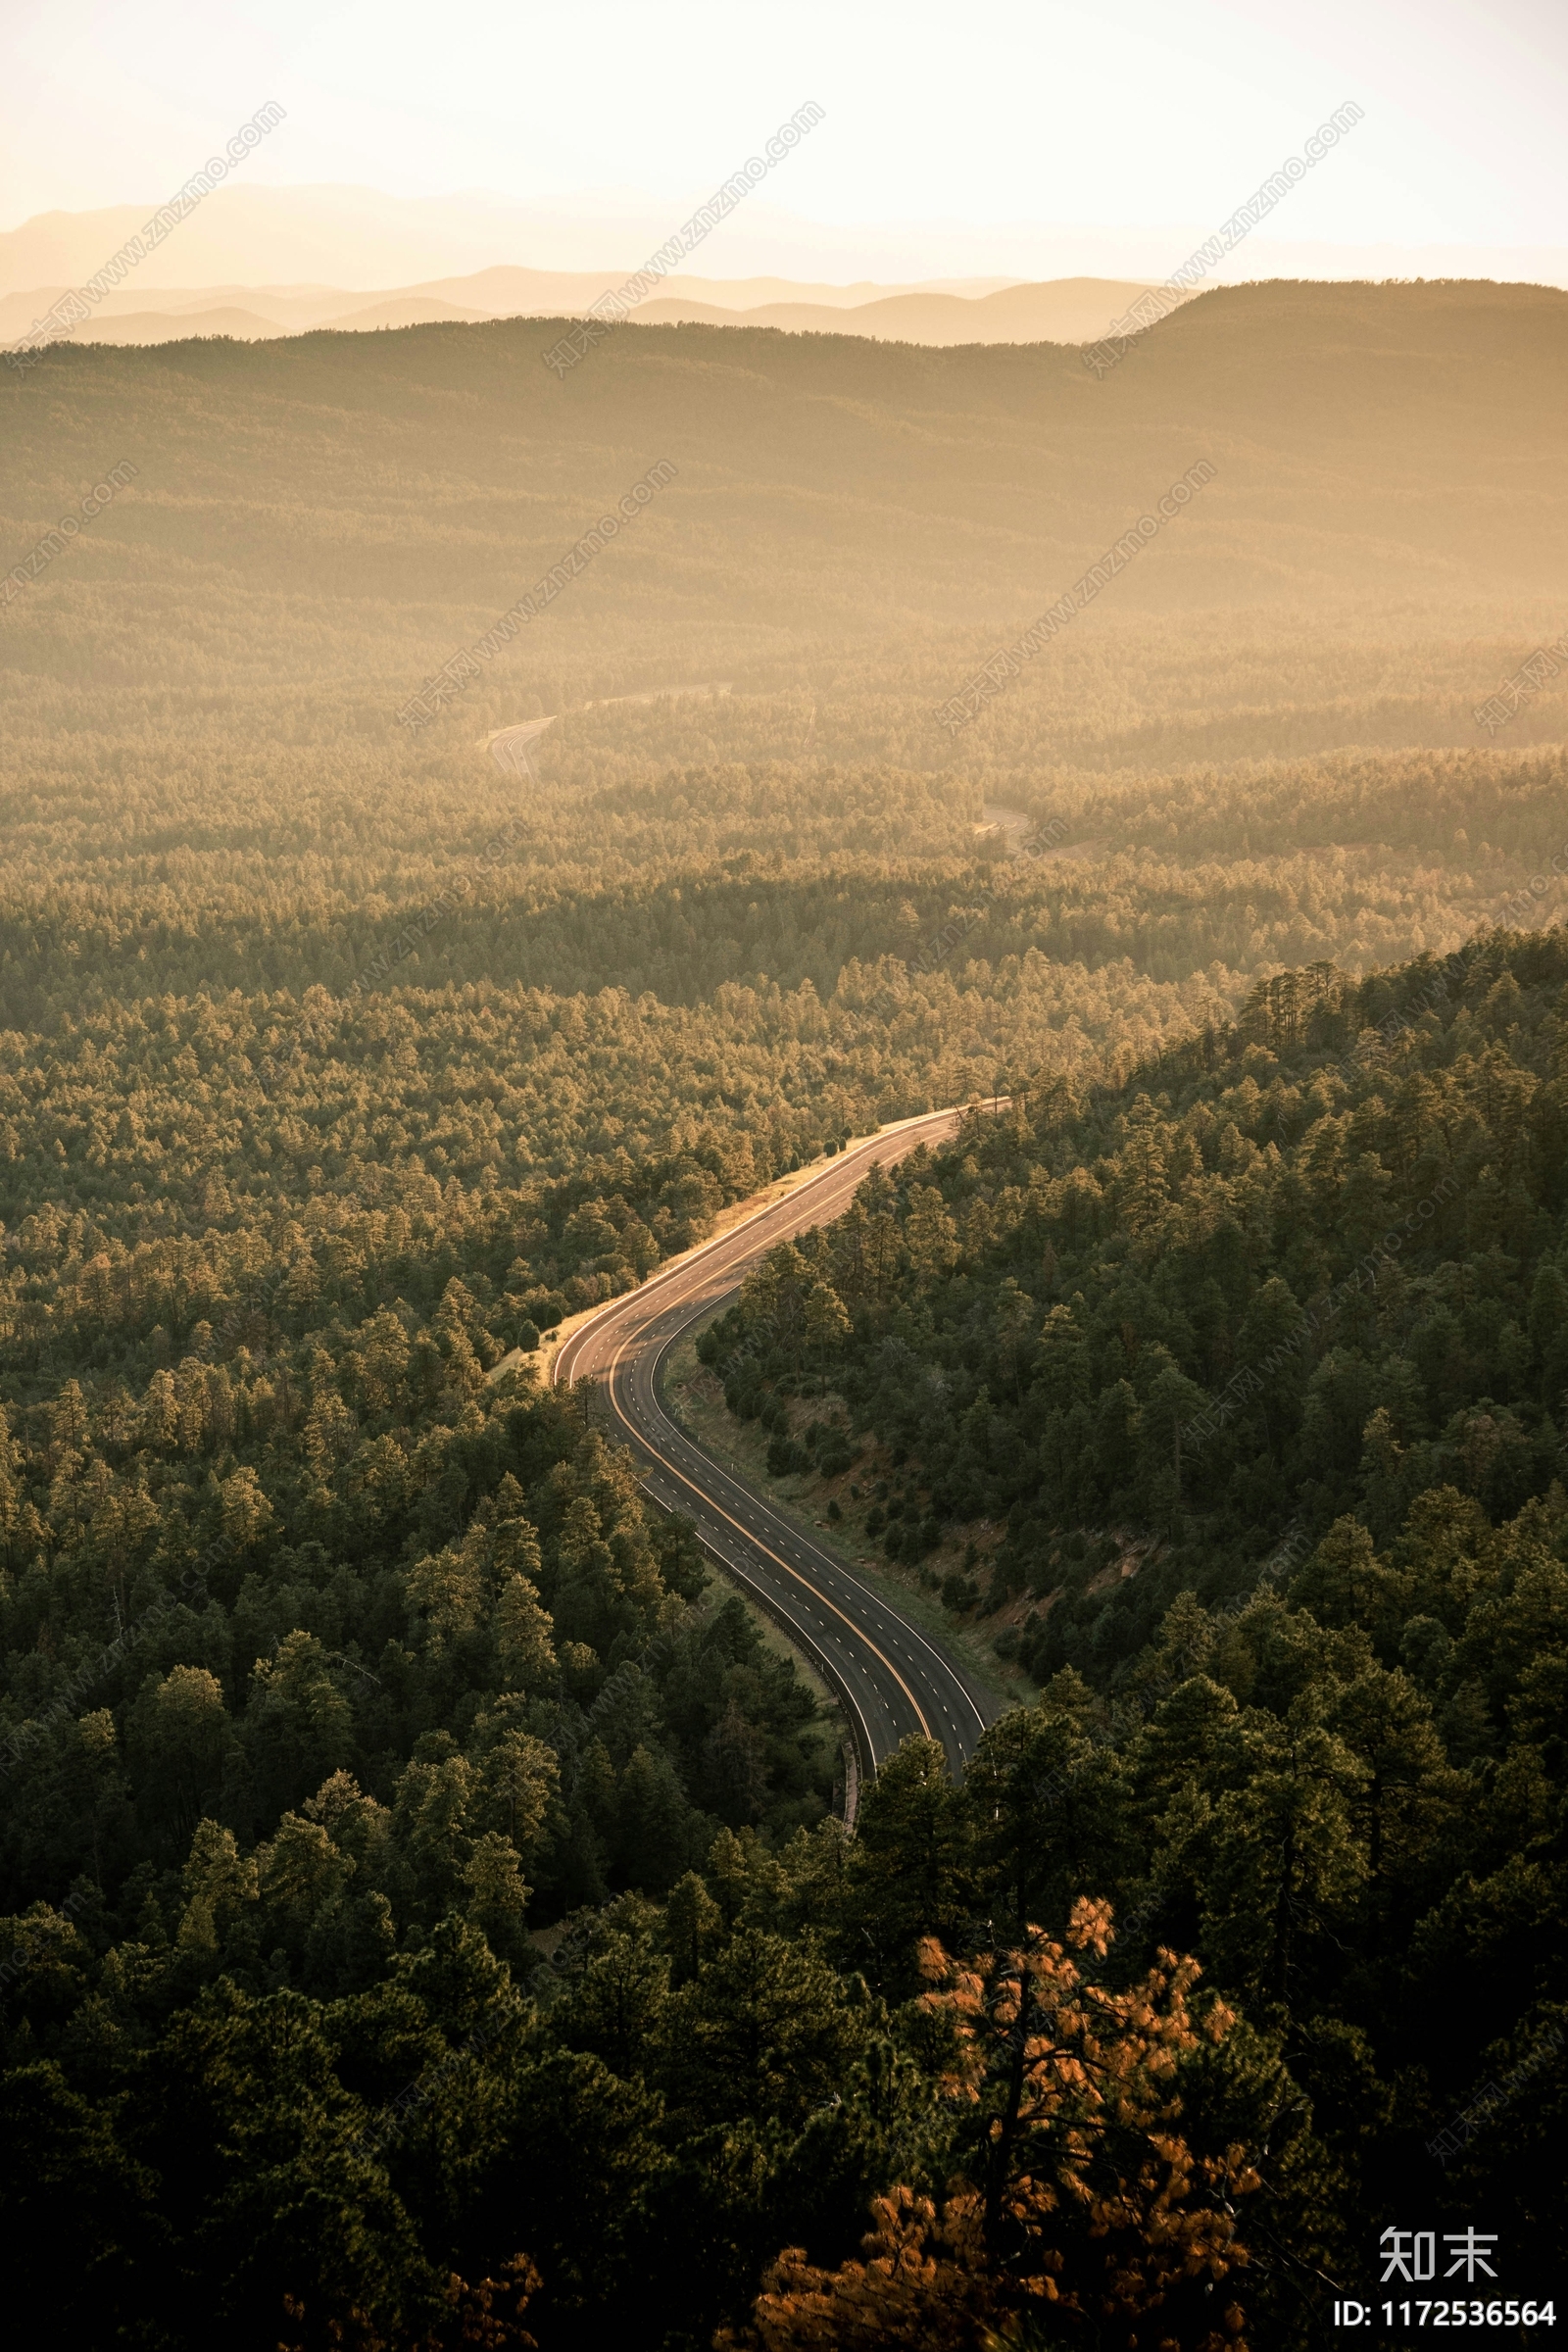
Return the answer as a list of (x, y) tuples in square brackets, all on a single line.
[(255, 261), (1069, 309), (1063, 310), (352, 244)]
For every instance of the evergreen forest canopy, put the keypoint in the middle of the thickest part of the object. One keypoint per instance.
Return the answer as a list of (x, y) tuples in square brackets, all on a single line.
[(344, 1674)]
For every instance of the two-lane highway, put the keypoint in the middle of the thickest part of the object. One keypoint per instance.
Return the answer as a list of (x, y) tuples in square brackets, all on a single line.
[(891, 1679)]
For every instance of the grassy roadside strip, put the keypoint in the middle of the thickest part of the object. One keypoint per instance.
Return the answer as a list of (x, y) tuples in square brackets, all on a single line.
[(691, 1396)]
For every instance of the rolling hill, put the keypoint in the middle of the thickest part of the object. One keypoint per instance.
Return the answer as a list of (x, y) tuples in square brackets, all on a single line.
[(1070, 310), (829, 488), (1066, 310)]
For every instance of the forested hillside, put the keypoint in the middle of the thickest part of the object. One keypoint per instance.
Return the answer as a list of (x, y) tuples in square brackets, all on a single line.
[(1294, 1303), (1299, 1266), (1314, 1741), (427, 1915)]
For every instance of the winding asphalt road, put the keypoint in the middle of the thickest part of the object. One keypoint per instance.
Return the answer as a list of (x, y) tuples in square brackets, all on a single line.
[(890, 1677)]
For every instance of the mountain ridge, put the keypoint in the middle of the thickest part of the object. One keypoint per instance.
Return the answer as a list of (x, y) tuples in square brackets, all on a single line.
[(1073, 309), (872, 485)]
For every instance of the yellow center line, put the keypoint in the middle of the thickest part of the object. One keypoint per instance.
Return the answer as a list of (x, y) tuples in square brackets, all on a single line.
[(911, 1630), (670, 1293), (747, 1536)]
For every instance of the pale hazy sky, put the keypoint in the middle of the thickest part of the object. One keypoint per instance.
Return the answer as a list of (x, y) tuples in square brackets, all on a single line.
[(1117, 112)]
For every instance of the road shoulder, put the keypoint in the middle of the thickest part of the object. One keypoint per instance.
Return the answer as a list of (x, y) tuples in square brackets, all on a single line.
[(689, 1394), (728, 1220)]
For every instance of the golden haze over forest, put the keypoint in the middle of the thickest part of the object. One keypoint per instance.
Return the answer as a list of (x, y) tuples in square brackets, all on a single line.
[(338, 1061)]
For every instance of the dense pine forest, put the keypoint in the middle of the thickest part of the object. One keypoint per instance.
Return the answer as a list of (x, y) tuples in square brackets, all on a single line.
[(429, 1916), (1292, 1302)]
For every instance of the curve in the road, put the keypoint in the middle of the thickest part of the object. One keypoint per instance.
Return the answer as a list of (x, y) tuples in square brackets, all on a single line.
[(510, 747), (891, 1679)]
